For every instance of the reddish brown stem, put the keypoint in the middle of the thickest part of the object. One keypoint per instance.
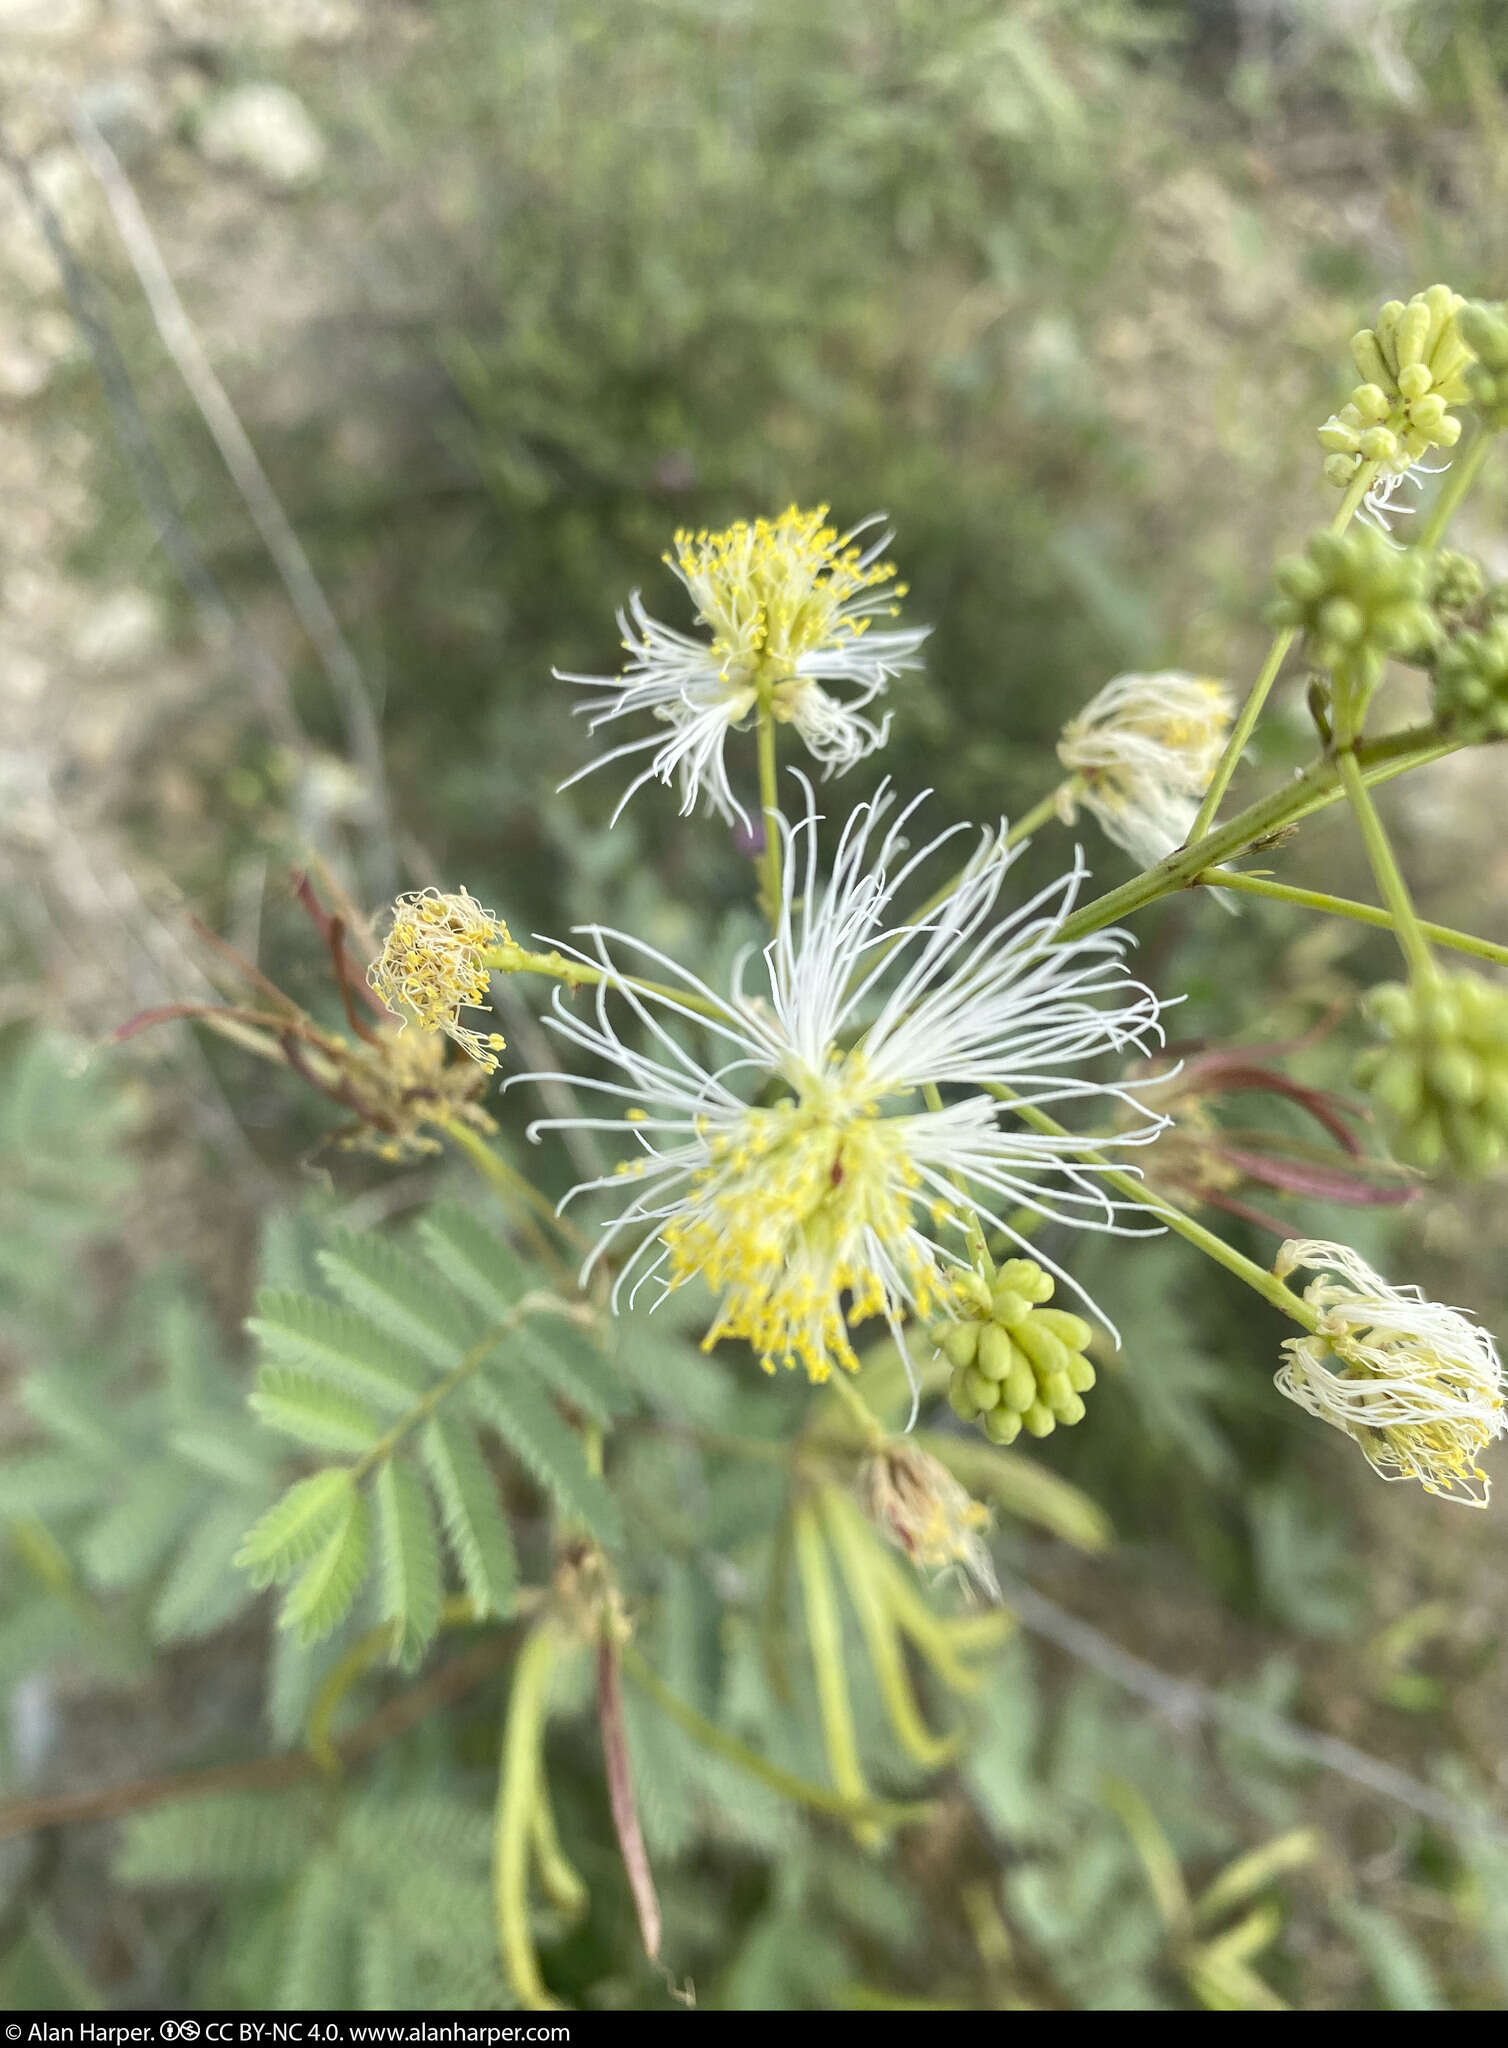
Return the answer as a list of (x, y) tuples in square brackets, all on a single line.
[(620, 1790)]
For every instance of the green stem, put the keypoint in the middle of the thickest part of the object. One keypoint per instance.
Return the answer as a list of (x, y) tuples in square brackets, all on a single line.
[(769, 807), (1464, 472), (1405, 919), (514, 959), (710, 1736), (1256, 1277), (444, 1388), (869, 1428), (1317, 787), (1258, 694), (1041, 813), (520, 1776), (824, 1632), (510, 1185), (1342, 906)]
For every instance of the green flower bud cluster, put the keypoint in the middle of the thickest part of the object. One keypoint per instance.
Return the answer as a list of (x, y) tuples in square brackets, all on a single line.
[(1485, 332), (1015, 1363), (1413, 365), (1356, 600), (1457, 584), (1440, 1077), (1471, 681)]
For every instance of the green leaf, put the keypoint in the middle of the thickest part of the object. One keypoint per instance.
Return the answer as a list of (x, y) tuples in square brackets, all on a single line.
[(299, 1406), (46, 1483), (473, 1258), (335, 1344), (316, 1959), (131, 1538), (233, 1838), (321, 1598), (294, 1527), (475, 1525), (411, 1587), (202, 1588), (376, 1279), (525, 1420), (564, 1353)]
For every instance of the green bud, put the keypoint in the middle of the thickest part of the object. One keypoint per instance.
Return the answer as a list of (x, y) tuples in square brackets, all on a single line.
[(1070, 1330), (960, 1400), (1002, 1425), (960, 1343), (996, 1351), (1439, 1077), (982, 1392), (1039, 1419), (1008, 1308), (1019, 1388)]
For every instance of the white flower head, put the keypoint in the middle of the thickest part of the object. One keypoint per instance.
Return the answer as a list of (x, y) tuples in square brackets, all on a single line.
[(1143, 752), (790, 606), (801, 1163), (1419, 1386)]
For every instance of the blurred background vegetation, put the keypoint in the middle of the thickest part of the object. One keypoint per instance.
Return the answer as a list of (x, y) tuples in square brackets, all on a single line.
[(503, 294)]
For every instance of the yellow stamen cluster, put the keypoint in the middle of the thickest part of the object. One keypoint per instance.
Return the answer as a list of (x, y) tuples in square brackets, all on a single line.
[(774, 589), (784, 1219), (918, 1504), (432, 966)]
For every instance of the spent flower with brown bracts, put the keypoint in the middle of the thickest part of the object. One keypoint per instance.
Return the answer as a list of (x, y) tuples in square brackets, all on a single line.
[(1205, 1160), (1419, 1386), (399, 1086), (922, 1509)]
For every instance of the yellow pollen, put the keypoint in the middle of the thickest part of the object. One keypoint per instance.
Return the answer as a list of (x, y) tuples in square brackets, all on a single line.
[(774, 589), (432, 966), (782, 1222)]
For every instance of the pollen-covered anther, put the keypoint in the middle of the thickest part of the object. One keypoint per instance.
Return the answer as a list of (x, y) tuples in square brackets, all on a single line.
[(433, 966), (783, 1221), (1418, 1386)]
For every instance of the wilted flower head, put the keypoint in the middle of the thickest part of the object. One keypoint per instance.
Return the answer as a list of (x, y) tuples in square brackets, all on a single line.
[(1419, 1387), (1143, 752), (432, 966), (918, 1504), (790, 605), (799, 1164)]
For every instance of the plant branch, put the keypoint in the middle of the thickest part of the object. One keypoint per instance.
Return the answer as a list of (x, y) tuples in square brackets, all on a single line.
[(1342, 906)]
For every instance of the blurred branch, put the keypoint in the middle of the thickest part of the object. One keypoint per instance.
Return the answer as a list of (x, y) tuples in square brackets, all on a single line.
[(1186, 1703), (220, 624), (308, 599), (265, 1773)]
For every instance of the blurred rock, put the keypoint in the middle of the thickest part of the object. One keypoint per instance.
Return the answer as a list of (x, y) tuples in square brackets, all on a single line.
[(47, 20), (119, 630), (264, 129)]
